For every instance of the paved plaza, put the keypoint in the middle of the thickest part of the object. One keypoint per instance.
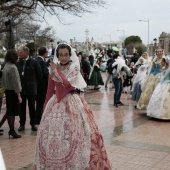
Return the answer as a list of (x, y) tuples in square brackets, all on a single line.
[(133, 141)]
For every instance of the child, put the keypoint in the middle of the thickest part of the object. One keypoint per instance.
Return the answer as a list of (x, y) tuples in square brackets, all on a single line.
[(138, 82)]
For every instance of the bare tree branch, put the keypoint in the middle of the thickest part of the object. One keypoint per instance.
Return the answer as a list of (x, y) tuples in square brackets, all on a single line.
[(74, 7)]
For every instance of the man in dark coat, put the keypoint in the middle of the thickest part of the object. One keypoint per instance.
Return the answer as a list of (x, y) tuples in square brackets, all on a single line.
[(30, 74), (42, 84)]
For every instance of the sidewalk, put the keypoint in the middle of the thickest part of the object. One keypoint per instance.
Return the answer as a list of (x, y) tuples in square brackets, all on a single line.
[(133, 141)]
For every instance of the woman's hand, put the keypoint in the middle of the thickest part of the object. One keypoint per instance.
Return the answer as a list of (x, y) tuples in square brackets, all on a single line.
[(53, 66), (19, 99)]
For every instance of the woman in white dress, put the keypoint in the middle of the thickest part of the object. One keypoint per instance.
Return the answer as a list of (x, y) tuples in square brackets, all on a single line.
[(138, 82), (159, 104), (143, 60)]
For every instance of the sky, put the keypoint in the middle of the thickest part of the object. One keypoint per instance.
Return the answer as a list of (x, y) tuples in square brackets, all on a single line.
[(123, 15)]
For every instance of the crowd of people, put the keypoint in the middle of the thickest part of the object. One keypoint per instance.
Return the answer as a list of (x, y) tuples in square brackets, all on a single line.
[(68, 137)]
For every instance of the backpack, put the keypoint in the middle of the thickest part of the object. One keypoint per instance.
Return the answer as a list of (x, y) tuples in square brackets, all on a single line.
[(110, 68)]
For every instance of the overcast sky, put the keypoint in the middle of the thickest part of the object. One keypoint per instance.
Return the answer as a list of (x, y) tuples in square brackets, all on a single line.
[(117, 15)]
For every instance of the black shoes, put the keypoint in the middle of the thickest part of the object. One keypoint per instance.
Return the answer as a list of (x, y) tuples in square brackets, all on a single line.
[(14, 134), (120, 103), (21, 128), (1, 130), (116, 105), (34, 128)]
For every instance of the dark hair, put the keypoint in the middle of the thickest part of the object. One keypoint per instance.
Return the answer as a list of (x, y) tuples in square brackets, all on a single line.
[(115, 55), (91, 57), (61, 46), (109, 53), (42, 51), (163, 59), (80, 53), (11, 56)]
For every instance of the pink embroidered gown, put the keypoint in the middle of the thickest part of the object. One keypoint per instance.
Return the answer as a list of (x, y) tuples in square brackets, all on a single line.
[(68, 137)]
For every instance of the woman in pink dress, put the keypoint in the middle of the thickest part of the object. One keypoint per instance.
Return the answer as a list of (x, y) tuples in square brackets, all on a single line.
[(68, 137)]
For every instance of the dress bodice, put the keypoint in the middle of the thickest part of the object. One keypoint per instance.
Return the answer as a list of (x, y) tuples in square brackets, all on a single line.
[(156, 68), (61, 90)]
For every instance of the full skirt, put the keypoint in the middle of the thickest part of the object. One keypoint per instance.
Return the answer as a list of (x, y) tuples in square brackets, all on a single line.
[(12, 103), (68, 137), (159, 104), (136, 93), (96, 79), (149, 87)]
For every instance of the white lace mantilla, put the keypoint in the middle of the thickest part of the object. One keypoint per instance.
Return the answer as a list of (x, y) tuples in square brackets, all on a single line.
[(73, 75)]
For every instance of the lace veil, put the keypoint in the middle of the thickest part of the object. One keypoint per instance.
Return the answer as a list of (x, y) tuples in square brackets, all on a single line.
[(140, 76), (76, 81)]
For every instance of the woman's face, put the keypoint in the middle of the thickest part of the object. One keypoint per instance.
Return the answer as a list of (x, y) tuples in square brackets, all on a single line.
[(159, 53), (63, 55), (144, 55)]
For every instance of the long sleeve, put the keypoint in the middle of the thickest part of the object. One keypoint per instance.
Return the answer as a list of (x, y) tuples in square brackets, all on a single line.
[(38, 71), (15, 80), (10, 78)]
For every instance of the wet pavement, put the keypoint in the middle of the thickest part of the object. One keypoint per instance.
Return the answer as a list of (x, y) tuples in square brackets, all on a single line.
[(133, 141)]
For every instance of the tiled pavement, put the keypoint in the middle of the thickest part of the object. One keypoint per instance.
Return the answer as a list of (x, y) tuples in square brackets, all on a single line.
[(133, 141)]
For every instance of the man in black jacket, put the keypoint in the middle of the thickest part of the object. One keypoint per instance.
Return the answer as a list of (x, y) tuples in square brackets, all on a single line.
[(42, 84), (30, 74)]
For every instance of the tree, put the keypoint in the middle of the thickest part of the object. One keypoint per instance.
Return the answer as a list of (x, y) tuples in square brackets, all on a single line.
[(54, 7), (132, 39), (16, 10), (132, 42), (34, 34)]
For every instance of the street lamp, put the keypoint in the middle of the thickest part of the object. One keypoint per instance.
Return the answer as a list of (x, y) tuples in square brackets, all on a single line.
[(155, 43), (148, 31), (123, 32), (87, 39), (10, 23)]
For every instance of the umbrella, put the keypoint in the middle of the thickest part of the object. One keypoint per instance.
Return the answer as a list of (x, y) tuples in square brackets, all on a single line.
[(115, 48)]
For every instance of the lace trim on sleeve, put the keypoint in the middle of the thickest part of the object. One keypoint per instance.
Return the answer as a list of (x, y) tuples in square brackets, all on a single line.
[(56, 77)]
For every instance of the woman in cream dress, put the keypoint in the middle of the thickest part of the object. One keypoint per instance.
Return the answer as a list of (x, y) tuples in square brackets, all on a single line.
[(152, 80), (159, 104)]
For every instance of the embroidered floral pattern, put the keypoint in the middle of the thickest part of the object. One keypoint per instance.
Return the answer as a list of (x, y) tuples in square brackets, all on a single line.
[(68, 137)]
